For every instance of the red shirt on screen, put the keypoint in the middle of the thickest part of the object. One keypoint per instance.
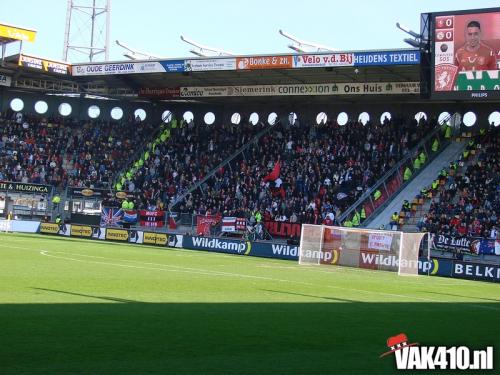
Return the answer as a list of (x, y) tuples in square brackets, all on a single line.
[(481, 59)]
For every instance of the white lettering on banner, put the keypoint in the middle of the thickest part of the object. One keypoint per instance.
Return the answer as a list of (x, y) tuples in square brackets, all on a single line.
[(5, 80), (380, 241), (392, 261), (304, 89), (285, 250), (484, 271), (216, 244)]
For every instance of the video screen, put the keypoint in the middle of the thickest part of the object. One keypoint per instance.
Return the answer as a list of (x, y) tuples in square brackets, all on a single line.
[(467, 53)]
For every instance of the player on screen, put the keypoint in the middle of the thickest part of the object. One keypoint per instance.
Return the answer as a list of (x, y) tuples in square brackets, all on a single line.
[(474, 54)]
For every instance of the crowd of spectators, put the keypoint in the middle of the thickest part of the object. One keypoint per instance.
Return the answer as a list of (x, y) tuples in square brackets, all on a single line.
[(184, 158), (323, 169), (468, 202), (33, 149)]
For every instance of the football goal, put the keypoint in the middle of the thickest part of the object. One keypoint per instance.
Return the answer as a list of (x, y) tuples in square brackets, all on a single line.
[(364, 248)]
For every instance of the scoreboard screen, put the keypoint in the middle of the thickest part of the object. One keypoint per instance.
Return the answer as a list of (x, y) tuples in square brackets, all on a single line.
[(466, 58)]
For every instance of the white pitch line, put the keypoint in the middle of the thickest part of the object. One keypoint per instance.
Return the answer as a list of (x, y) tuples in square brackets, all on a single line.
[(237, 275), (220, 273)]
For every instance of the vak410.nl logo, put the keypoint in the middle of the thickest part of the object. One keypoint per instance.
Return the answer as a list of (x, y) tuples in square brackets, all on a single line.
[(412, 356)]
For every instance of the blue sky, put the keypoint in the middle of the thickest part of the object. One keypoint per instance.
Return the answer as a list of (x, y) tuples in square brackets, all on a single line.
[(249, 27)]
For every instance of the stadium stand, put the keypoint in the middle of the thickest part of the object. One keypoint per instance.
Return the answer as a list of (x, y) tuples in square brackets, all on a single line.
[(464, 200), (308, 173), (65, 151)]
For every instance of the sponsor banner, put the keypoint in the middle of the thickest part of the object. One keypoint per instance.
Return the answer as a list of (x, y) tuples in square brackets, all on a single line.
[(79, 192), (435, 267), (163, 239), (173, 66), (17, 33), (264, 62), (282, 228), (117, 234), (19, 187), (159, 92), (49, 228), (476, 271), (26, 226), (155, 238), (218, 245), (43, 64), (81, 231), (5, 80), (118, 68), (408, 57), (323, 60), (203, 65), (368, 88), (277, 251), (136, 236), (380, 241)]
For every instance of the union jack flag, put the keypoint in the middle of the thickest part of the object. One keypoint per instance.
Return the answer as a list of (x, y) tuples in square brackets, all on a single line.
[(111, 216)]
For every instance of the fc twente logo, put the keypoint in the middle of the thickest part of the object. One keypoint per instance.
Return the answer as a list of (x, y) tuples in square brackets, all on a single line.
[(445, 77)]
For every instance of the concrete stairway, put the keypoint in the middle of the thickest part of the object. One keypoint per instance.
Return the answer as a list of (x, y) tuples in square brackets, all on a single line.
[(424, 179)]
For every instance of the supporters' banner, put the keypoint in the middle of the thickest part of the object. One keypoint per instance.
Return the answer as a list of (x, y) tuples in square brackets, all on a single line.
[(5, 80), (315, 89), (465, 245), (233, 224), (264, 62), (129, 217), (19, 187), (117, 234), (203, 224), (282, 228), (203, 65), (111, 216), (274, 174), (154, 219), (378, 241), (43, 64)]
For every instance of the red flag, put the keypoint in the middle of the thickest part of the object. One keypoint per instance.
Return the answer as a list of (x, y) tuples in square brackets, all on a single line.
[(275, 173)]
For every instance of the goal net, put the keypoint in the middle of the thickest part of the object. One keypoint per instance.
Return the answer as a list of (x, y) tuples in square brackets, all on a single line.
[(364, 248), (5, 225)]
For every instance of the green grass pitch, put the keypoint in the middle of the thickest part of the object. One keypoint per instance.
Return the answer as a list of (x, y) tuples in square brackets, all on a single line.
[(87, 307)]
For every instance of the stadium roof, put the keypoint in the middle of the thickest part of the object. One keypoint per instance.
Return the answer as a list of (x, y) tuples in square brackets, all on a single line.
[(126, 79)]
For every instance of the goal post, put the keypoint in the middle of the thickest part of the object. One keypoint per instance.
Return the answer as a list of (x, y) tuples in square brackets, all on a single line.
[(364, 248)]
